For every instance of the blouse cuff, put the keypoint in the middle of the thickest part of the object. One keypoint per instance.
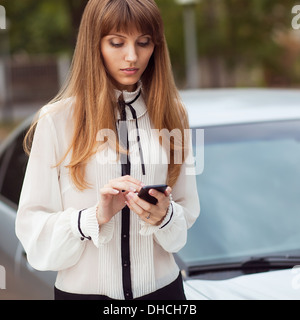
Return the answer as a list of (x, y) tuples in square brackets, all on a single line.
[(84, 225), (148, 229)]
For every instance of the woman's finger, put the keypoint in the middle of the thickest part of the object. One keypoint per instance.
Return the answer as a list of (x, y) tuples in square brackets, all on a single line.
[(105, 191), (168, 191), (131, 179), (133, 206), (124, 185)]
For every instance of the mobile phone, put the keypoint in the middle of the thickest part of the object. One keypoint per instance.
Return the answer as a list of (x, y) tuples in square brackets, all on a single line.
[(144, 192)]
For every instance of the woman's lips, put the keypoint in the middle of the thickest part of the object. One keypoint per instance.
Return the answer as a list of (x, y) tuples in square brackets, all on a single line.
[(130, 71)]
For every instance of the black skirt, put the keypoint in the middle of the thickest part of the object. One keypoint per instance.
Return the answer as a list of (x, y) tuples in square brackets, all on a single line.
[(173, 291)]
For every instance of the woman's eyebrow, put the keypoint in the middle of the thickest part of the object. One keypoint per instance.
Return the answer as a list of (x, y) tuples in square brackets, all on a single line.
[(122, 36), (117, 35)]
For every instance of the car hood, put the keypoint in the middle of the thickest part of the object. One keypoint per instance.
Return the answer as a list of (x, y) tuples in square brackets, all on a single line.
[(272, 285)]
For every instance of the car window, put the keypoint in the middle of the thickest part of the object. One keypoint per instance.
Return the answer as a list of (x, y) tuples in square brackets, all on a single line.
[(249, 193), (12, 170)]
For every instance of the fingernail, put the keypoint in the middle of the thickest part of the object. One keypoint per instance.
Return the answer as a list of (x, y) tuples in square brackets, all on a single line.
[(132, 189), (152, 192)]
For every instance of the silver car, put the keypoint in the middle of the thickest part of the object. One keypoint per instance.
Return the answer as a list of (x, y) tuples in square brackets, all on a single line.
[(246, 241)]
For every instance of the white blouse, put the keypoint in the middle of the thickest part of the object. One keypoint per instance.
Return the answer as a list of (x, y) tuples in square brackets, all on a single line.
[(47, 219)]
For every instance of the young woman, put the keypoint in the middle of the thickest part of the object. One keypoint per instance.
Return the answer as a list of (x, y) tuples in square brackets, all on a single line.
[(79, 212)]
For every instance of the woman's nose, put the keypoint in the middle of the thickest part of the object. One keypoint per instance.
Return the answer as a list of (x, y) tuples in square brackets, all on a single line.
[(131, 54)]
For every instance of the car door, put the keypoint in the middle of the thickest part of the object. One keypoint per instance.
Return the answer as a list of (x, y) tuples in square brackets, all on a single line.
[(12, 167), (13, 161)]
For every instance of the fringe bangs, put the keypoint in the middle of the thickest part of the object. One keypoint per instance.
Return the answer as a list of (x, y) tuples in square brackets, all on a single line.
[(128, 15)]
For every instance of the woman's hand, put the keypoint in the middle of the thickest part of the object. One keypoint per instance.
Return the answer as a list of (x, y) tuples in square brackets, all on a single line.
[(112, 197), (150, 213)]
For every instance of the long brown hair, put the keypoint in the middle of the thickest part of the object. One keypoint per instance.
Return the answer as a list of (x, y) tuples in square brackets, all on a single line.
[(94, 96)]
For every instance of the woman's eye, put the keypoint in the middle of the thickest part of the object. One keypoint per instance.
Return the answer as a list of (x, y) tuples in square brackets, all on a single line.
[(144, 43), (116, 45)]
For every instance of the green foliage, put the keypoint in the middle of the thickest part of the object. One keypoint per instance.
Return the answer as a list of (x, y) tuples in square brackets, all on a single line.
[(238, 31), (172, 15), (38, 26)]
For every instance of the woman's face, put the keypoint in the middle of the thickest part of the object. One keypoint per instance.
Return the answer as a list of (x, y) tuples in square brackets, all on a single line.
[(126, 57)]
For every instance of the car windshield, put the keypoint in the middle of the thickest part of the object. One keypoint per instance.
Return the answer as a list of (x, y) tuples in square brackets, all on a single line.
[(249, 193)]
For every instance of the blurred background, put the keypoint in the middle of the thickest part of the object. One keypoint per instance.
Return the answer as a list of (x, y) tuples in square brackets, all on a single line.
[(212, 43)]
